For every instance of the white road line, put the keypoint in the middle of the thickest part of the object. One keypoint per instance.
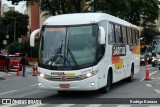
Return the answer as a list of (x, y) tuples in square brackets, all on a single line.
[(148, 85), (149, 75), (35, 105), (153, 106), (123, 106), (157, 91), (65, 105), (8, 92), (34, 85), (94, 105)]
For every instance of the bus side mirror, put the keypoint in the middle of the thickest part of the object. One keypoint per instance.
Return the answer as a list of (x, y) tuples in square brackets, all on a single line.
[(32, 37), (101, 35)]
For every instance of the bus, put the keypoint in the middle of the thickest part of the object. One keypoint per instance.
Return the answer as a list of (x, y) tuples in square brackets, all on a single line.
[(86, 51)]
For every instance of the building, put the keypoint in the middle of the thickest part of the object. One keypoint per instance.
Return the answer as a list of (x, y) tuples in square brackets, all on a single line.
[(158, 23), (36, 18), (6, 8)]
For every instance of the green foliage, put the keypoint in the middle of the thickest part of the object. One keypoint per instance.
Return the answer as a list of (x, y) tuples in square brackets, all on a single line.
[(7, 25), (24, 47), (138, 12), (148, 33)]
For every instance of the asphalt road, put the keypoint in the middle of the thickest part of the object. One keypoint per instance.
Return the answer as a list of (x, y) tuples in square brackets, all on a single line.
[(14, 86)]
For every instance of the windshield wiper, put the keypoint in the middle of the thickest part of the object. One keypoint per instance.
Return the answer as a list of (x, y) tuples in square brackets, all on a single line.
[(72, 56), (58, 54)]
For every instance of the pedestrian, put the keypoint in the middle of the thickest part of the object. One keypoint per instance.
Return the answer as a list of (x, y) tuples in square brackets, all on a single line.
[(7, 61), (23, 62)]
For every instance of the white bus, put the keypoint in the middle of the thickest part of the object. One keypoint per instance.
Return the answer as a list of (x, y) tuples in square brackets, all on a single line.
[(86, 51)]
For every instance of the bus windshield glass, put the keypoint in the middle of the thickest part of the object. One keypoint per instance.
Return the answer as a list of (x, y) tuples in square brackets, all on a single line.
[(68, 46)]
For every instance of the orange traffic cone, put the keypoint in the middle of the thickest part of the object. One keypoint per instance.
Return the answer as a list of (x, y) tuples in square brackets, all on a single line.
[(147, 72), (34, 70), (18, 71)]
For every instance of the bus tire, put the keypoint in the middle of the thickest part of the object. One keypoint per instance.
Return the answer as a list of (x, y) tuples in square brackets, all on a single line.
[(106, 88), (131, 77)]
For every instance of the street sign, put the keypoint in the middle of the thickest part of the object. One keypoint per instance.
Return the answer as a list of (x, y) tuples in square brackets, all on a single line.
[(19, 39), (7, 36), (4, 42)]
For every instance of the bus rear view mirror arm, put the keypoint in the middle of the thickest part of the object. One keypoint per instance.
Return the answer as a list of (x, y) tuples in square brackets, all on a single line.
[(32, 37), (101, 35)]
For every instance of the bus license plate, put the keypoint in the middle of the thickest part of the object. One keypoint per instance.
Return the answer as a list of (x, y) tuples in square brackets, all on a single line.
[(64, 85)]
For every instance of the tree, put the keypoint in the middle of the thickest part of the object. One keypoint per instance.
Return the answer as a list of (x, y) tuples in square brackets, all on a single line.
[(148, 33), (7, 25), (138, 12)]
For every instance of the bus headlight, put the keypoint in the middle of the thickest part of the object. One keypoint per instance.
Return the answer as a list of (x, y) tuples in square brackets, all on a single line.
[(89, 74), (42, 75)]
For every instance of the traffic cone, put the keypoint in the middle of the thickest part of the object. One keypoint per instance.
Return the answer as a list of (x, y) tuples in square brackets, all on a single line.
[(34, 69), (18, 71), (147, 72)]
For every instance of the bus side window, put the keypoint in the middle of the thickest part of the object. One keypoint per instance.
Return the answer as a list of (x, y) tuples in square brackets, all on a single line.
[(118, 34), (137, 36), (111, 34), (133, 36), (129, 36), (124, 35)]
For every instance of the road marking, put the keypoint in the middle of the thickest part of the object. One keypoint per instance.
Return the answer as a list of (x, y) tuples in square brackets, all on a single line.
[(94, 105), (149, 75), (157, 91), (8, 105), (153, 106), (34, 85), (8, 92), (148, 85), (65, 105), (35, 105), (123, 106)]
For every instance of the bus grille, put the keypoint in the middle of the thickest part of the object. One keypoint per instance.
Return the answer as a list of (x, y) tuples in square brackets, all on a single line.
[(66, 78)]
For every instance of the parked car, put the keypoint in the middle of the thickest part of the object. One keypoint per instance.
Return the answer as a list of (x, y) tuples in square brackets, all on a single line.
[(21, 55), (145, 55), (14, 61), (158, 55), (154, 61), (142, 59)]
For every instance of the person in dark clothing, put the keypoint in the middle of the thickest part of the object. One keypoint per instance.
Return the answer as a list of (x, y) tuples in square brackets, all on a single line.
[(7, 61), (23, 62)]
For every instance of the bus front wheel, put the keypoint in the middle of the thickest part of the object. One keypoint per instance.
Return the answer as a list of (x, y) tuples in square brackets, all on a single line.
[(106, 88)]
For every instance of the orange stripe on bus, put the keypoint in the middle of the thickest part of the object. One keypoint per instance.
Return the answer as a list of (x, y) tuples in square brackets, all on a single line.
[(115, 59)]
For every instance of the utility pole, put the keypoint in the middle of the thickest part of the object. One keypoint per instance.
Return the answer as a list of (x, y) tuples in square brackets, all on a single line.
[(14, 29)]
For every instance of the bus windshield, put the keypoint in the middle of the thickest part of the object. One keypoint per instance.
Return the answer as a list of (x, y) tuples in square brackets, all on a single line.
[(68, 46)]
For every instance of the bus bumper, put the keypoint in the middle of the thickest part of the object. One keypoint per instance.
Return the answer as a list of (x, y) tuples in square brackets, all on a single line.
[(82, 85)]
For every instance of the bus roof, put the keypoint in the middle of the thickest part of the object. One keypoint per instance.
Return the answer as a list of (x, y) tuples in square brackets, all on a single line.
[(84, 18)]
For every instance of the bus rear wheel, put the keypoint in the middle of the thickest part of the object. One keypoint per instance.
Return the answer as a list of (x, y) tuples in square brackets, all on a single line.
[(131, 77), (106, 88)]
